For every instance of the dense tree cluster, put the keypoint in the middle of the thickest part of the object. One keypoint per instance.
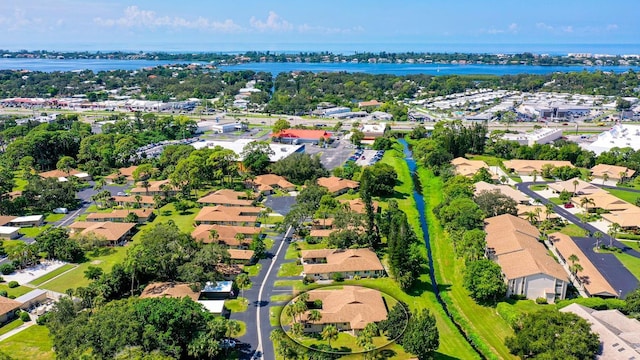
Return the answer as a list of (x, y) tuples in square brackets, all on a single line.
[(299, 167), (169, 327)]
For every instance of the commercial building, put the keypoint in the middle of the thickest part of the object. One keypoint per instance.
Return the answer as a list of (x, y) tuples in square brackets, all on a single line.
[(373, 131), (9, 232), (527, 267), (619, 136), (228, 127), (539, 136), (300, 136), (27, 221), (279, 151)]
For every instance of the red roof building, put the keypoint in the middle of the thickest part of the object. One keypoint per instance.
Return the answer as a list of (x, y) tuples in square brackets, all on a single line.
[(301, 135)]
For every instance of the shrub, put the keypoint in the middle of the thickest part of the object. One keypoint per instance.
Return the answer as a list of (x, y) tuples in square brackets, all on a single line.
[(509, 313), (7, 269), (595, 303), (541, 301), (42, 319), (337, 277), (13, 284), (298, 262), (308, 280), (356, 277), (24, 316), (3, 293)]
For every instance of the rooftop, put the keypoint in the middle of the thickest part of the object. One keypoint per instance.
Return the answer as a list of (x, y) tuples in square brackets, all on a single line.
[(620, 136), (280, 151), (506, 190), (302, 134), (466, 167), (169, 289), (335, 184), (613, 172), (338, 260), (112, 231), (226, 197), (582, 187), (355, 305)]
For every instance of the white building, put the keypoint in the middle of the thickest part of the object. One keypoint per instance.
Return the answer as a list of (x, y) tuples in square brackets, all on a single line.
[(619, 136), (280, 151), (539, 136), (228, 127), (336, 110)]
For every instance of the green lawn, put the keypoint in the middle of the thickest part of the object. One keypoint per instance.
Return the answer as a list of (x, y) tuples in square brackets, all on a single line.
[(32, 232), (627, 196), (556, 201), (95, 209), (274, 315), (237, 305), (281, 297), (292, 252), (346, 343), (253, 270), (290, 269), (268, 243), (183, 221), (75, 278), (478, 321), (538, 187), (243, 329), (632, 263), (54, 217), (31, 343), (52, 274), (16, 291), (10, 326), (572, 230), (490, 160)]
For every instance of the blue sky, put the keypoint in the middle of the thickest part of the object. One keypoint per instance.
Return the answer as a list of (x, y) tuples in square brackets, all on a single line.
[(311, 25)]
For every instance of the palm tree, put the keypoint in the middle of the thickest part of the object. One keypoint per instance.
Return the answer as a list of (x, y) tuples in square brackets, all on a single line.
[(576, 268), (623, 176), (585, 202), (534, 173), (297, 329), (290, 311), (573, 258), (575, 186), (314, 315), (242, 281), (613, 231), (532, 217), (598, 235), (99, 184), (605, 177), (239, 237), (213, 235), (145, 184), (548, 210), (138, 200), (329, 333), (300, 307), (232, 327)]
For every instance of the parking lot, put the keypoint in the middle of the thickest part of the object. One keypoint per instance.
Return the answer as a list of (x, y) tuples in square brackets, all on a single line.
[(367, 157), (332, 157)]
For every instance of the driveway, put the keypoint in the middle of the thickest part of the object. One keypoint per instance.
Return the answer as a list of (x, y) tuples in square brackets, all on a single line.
[(280, 204)]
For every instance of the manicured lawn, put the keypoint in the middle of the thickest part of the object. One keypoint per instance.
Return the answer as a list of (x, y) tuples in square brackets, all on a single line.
[(10, 326), (31, 343), (32, 232), (75, 278), (16, 291), (292, 252), (237, 305), (274, 315), (572, 230), (306, 246), (490, 160), (538, 187), (290, 269), (632, 263), (556, 201), (478, 320), (345, 343), (281, 297), (253, 270), (243, 329), (268, 243), (52, 274), (95, 209), (627, 196), (54, 217), (183, 221)]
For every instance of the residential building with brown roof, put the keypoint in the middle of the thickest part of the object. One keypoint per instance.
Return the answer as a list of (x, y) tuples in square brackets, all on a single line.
[(322, 264), (589, 277), (63, 176), (226, 235), (338, 186), (169, 289), (111, 231), (574, 186), (160, 187), (466, 167), (127, 173), (8, 309), (144, 215), (266, 183), (506, 190), (526, 167), (628, 219), (603, 200), (358, 206), (228, 215), (349, 308), (226, 197), (529, 270), (601, 172), (4, 220), (146, 201), (617, 333), (240, 256), (525, 209)]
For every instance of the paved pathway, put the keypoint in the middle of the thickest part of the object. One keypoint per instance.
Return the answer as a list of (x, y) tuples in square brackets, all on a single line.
[(256, 343), (611, 268)]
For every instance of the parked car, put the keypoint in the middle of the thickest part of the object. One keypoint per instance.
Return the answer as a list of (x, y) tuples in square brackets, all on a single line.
[(120, 193), (228, 344), (569, 206), (60, 210)]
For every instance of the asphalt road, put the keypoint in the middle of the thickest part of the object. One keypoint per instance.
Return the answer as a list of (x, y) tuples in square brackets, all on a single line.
[(611, 268)]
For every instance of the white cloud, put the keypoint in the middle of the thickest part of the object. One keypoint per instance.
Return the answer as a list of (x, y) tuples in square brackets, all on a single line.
[(273, 23), (567, 29), (544, 26), (612, 27), (135, 17), (306, 28), (511, 29)]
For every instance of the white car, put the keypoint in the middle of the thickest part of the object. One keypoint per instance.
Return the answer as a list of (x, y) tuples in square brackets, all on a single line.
[(61, 210)]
